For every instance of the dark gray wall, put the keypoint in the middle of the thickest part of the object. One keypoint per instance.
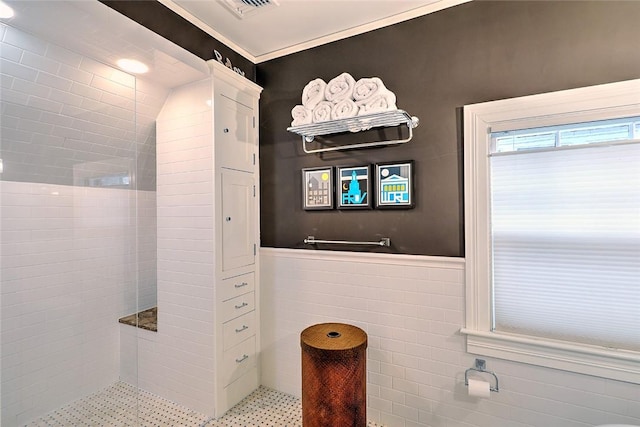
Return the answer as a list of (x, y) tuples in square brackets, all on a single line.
[(475, 52)]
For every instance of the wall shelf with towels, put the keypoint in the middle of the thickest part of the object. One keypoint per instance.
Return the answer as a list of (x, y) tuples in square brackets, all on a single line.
[(356, 124)]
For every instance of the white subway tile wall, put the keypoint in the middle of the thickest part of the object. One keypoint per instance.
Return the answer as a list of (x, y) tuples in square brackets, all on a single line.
[(412, 309), (51, 134), (177, 362), (69, 253), (64, 114), (68, 274)]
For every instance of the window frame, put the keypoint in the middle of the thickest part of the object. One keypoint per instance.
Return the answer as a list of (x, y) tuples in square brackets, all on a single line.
[(592, 103)]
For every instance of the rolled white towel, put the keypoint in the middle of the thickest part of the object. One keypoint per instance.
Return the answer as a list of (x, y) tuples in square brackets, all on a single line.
[(322, 111), (343, 109), (313, 93), (301, 115), (339, 88), (382, 101), (367, 87)]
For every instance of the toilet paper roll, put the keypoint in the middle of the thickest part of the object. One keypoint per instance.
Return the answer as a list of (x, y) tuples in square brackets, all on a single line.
[(479, 388)]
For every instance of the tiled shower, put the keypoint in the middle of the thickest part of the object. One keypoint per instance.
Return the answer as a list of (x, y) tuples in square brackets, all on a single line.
[(78, 202)]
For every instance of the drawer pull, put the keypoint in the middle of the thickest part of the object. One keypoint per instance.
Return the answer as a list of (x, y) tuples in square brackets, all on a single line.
[(239, 285), (244, 328), (243, 358), (238, 307)]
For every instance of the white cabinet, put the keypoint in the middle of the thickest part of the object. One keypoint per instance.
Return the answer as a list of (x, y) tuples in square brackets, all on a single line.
[(235, 142), (208, 237), (235, 124), (238, 220)]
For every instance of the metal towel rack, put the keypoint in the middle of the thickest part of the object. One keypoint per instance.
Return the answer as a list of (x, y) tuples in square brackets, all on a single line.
[(481, 366), (385, 241), (356, 124)]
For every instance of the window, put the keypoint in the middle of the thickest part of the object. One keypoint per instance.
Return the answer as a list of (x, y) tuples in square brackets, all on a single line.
[(552, 211)]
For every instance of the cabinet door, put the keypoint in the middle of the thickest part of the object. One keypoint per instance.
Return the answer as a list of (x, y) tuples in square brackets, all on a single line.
[(234, 134), (238, 219)]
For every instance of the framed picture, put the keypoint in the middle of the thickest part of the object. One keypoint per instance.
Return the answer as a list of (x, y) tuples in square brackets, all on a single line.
[(353, 189), (394, 185), (317, 188)]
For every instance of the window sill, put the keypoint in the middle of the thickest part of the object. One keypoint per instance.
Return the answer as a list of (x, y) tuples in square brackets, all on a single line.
[(622, 365)]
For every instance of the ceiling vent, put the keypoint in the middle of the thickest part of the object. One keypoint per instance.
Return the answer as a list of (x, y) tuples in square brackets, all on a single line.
[(244, 8)]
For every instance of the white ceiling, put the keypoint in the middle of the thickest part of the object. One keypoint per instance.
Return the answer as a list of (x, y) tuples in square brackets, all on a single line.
[(295, 25)]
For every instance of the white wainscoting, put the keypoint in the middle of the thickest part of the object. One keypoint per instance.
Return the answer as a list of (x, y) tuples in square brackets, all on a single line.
[(412, 308)]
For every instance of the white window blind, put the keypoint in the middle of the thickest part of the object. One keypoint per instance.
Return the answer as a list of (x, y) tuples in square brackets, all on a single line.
[(565, 232)]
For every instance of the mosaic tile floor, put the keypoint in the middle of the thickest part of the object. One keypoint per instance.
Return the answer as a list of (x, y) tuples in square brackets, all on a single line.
[(117, 406)]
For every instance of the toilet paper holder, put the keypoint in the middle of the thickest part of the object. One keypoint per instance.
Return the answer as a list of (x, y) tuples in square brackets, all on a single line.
[(481, 366)]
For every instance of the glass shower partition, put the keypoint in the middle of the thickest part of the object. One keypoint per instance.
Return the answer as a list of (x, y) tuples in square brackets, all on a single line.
[(77, 171), (78, 216)]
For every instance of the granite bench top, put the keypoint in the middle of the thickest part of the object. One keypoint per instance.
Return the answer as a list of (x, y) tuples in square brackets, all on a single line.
[(146, 319)]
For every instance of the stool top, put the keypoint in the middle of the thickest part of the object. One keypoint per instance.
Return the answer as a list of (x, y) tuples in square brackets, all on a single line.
[(333, 336)]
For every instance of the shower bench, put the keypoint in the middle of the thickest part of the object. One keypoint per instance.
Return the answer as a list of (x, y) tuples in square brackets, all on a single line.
[(145, 319)]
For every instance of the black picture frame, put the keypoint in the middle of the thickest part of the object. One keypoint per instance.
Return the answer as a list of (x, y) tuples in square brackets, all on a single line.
[(353, 187), (394, 185), (317, 188)]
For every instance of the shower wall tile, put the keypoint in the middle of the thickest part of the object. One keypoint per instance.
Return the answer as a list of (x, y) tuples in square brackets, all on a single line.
[(66, 58), (118, 101), (86, 91), (11, 53), (74, 74), (40, 62), (42, 79), (6, 81), (95, 67), (178, 359), (53, 81), (68, 274), (9, 95), (412, 309), (24, 41), (15, 69), (44, 104), (111, 86)]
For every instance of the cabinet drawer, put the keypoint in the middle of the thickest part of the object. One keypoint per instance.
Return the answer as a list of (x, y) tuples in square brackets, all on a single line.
[(234, 286), (237, 306), (240, 388), (238, 360), (239, 329)]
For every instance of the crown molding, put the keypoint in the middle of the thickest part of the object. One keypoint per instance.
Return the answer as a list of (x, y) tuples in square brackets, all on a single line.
[(360, 29), (206, 28)]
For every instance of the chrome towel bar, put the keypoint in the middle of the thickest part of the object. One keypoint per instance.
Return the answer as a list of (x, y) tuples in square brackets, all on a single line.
[(385, 241)]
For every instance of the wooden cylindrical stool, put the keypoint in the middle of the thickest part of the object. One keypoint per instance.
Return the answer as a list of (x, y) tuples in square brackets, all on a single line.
[(334, 376)]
